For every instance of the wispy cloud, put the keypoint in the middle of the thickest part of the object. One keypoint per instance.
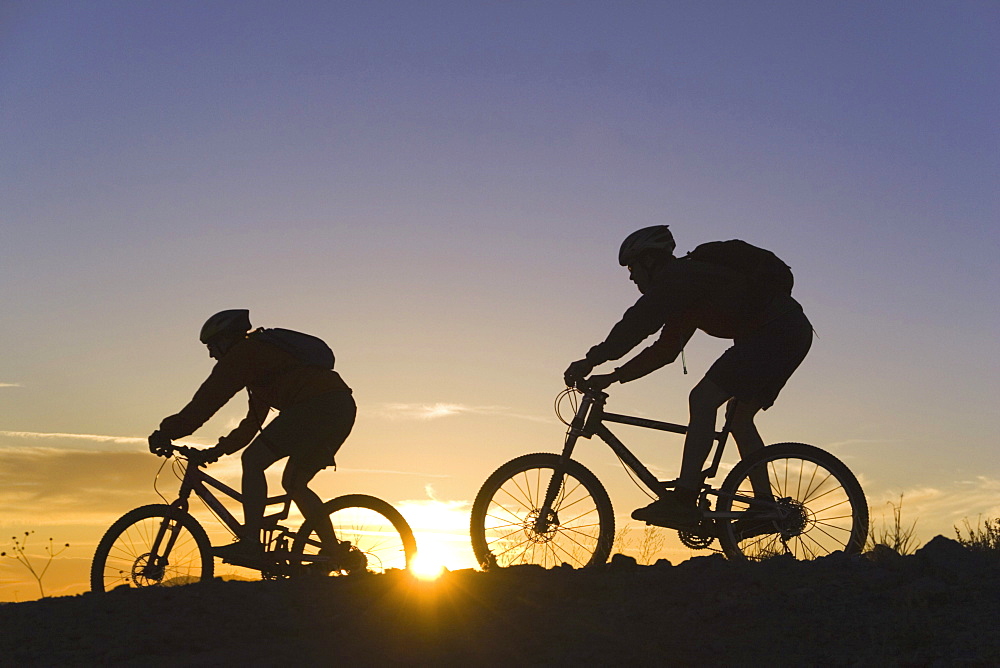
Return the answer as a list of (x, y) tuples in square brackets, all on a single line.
[(940, 509), (97, 438), (92, 438), (415, 411), (48, 484), (850, 442), (11, 385), (341, 469)]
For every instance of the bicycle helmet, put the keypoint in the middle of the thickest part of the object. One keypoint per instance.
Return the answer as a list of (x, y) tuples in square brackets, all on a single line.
[(233, 321), (655, 238)]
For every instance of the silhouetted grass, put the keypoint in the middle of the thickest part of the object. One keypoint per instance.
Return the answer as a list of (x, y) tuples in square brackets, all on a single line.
[(983, 538), (650, 543), (895, 535)]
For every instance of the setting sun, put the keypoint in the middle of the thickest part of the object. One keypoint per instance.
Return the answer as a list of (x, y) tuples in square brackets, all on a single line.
[(426, 567)]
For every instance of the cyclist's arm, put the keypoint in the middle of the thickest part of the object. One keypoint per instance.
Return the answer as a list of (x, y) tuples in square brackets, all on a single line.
[(641, 320), (229, 376), (248, 427), (662, 352)]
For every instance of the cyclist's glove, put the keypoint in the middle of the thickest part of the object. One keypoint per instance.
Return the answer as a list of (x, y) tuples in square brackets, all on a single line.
[(159, 444), (210, 455), (577, 371), (601, 381)]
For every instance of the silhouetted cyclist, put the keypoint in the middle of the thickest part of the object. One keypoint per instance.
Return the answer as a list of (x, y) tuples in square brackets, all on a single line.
[(770, 334), (316, 414)]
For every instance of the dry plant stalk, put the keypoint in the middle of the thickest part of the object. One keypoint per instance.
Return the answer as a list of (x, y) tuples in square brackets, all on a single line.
[(653, 539), (622, 540), (19, 554), (896, 536)]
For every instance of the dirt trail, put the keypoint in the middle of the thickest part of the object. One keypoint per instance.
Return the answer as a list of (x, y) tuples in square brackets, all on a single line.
[(936, 607)]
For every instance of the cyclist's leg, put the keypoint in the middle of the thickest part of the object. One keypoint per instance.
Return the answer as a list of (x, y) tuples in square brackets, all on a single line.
[(296, 480), (679, 508), (703, 402), (748, 441), (312, 433), (754, 370), (257, 457)]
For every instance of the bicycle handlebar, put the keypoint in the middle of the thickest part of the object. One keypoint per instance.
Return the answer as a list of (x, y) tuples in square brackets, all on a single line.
[(194, 455), (584, 388)]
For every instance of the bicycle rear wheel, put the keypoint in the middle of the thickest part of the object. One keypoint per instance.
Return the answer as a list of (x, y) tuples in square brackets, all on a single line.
[(152, 546), (504, 526), (816, 505), (373, 527)]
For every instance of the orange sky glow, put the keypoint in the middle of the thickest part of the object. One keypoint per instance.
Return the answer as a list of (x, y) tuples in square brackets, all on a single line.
[(439, 190)]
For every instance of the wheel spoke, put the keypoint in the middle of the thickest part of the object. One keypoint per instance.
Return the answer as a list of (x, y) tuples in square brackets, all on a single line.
[(808, 497), (506, 534), (508, 511), (826, 503)]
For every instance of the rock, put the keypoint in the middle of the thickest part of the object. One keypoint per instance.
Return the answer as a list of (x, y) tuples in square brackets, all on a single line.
[(947, 557), (522, 569), (885, 556), (711, 562), (623, 562)]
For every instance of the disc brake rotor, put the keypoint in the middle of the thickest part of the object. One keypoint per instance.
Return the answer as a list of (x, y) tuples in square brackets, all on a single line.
[(551, 522)]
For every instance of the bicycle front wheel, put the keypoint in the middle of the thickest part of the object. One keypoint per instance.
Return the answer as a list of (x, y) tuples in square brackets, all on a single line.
[(152, 546), (814, 505), (373, 527), (507, 528)]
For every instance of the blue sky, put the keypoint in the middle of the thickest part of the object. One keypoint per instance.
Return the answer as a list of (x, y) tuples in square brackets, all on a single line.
[(439, 189)]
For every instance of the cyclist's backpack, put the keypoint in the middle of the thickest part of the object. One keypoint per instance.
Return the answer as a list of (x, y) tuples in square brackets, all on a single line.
[(762, 268), (308, 349)]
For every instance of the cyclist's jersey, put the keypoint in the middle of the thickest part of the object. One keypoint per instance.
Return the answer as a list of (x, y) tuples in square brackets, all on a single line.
[(685, 296), (274, 379)]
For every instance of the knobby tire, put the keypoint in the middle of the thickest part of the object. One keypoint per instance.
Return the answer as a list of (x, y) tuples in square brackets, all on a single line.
[(829, 509), (502, 525), (123, 554), (372, 525)]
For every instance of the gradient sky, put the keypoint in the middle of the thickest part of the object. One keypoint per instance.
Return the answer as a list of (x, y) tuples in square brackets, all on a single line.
[(439, 189)]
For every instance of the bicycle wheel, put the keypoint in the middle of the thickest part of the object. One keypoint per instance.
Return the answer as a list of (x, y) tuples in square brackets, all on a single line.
[(504, 526), (152, 546), (816, 506), (372, 526)]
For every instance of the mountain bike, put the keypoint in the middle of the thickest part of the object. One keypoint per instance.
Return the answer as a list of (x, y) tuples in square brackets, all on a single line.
[(164, 545), (548, 509)]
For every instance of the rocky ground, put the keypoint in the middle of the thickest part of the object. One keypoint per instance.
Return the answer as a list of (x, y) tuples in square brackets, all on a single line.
[(937, 607)]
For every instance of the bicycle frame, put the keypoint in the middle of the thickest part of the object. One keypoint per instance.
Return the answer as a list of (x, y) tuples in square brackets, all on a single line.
[(200, 483), (589, 421)]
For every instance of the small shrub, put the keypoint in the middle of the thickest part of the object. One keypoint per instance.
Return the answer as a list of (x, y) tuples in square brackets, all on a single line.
[(651, 542), (896, 535), (18, 554), (622, 540), (985, 537), (653, 539)]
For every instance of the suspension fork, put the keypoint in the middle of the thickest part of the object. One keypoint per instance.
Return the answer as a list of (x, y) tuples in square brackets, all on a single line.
[(582, 425), (158, 556)]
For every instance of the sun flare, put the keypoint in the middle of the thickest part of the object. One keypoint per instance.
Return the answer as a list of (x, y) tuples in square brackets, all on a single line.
[(426, 567)]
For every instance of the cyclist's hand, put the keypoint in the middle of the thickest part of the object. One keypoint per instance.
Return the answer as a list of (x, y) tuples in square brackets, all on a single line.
[(206, 456), (577, 371), (159, 444), (599, 381)]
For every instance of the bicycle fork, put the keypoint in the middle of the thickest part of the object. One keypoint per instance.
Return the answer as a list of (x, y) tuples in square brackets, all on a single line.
[(547, 517), (159, 558)]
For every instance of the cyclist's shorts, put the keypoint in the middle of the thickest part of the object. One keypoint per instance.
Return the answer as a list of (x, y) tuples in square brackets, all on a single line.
[(758, 365), (310, 433)]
